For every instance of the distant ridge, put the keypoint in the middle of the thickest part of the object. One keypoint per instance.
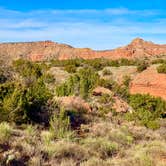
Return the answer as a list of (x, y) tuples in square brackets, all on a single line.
[(46, 50)]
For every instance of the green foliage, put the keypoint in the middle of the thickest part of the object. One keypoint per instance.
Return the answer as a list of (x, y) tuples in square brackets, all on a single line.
[(88, 80), (81, 83), (162, 68), (127, 62), (126, 80), (14, 107), (100, 147), (97, 64), (69, 87), (106, 72), (156, 61), (21, 103), (106, 98), (69, 62), (6, 89), (70, 68), (60, 125), (107, 83), (147, 110), (3, 78), (142, 66), (5, 131), (26, 68), (120, 90)]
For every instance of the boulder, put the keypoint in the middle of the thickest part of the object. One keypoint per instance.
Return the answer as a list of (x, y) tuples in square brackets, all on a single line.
[(73, 102), (99, 91)]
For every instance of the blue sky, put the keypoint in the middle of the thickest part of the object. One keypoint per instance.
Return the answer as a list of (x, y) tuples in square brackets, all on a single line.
[(98, 24)]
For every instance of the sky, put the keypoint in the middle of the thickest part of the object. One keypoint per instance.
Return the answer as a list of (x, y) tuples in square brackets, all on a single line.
[(96, 24)]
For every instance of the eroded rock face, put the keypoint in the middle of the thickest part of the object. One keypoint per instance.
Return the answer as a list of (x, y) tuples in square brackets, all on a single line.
[(149, 82), (46, 50)]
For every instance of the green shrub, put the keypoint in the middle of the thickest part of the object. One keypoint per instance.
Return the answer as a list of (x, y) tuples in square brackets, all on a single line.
[(26, 68), (3, 78), (147, 110), (106, 98), (81, 83), (21, 104), (156, 61), (69, 87), (70, 68), (126, 80), (142, 66), (109, 84), (60, 125), (5, 132), (100, 147), (161, 68), (106, 72)]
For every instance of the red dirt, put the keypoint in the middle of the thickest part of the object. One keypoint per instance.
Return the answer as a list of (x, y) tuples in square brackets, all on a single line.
[(149, 81)]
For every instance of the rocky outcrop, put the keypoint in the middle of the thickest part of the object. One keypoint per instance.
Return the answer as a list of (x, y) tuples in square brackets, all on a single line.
[(149, 82), (99, 91), (46, 50), (120, 105), (73, 102)]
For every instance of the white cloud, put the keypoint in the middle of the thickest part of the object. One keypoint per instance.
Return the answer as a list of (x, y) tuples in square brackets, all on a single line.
[(98, 29)]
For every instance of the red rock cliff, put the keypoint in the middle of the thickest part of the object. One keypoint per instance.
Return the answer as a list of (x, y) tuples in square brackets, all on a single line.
[(44, 50)]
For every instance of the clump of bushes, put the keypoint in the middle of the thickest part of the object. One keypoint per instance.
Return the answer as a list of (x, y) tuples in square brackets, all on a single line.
[(70, 68), (147, 110), (161, 68), (156, 61), (142, 66), (81, 83), (22, 103)]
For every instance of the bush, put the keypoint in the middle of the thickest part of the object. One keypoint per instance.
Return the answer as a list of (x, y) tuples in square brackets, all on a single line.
[(100, 147), (106, 72), (21, 105), (142, 66), (70, 68), (26, 68), (161, 68), (3, 78), (5, 132), (126, 80), (60, 125), (147, 110), (81, 83), (63, 149), (156, 61)]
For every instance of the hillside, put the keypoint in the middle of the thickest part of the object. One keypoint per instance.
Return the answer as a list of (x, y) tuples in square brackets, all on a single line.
[(47, 50), (83, 112)]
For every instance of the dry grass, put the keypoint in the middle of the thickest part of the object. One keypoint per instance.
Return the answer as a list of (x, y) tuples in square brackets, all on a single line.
[(5, 132), (104, 143)]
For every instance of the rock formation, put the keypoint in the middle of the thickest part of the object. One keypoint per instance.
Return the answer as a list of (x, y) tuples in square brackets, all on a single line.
[(149, 82), (46, 50)]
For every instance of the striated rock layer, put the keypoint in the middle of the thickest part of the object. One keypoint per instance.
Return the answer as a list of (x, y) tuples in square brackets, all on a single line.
[(46, 50), (149, 82)]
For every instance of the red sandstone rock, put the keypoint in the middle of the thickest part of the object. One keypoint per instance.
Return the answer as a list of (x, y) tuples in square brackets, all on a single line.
[(98, 91), (73, 102), (149, 82), (44, 50), (120, 105)]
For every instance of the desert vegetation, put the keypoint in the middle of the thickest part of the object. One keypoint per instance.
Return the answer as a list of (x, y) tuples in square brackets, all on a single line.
[(86, 119)]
